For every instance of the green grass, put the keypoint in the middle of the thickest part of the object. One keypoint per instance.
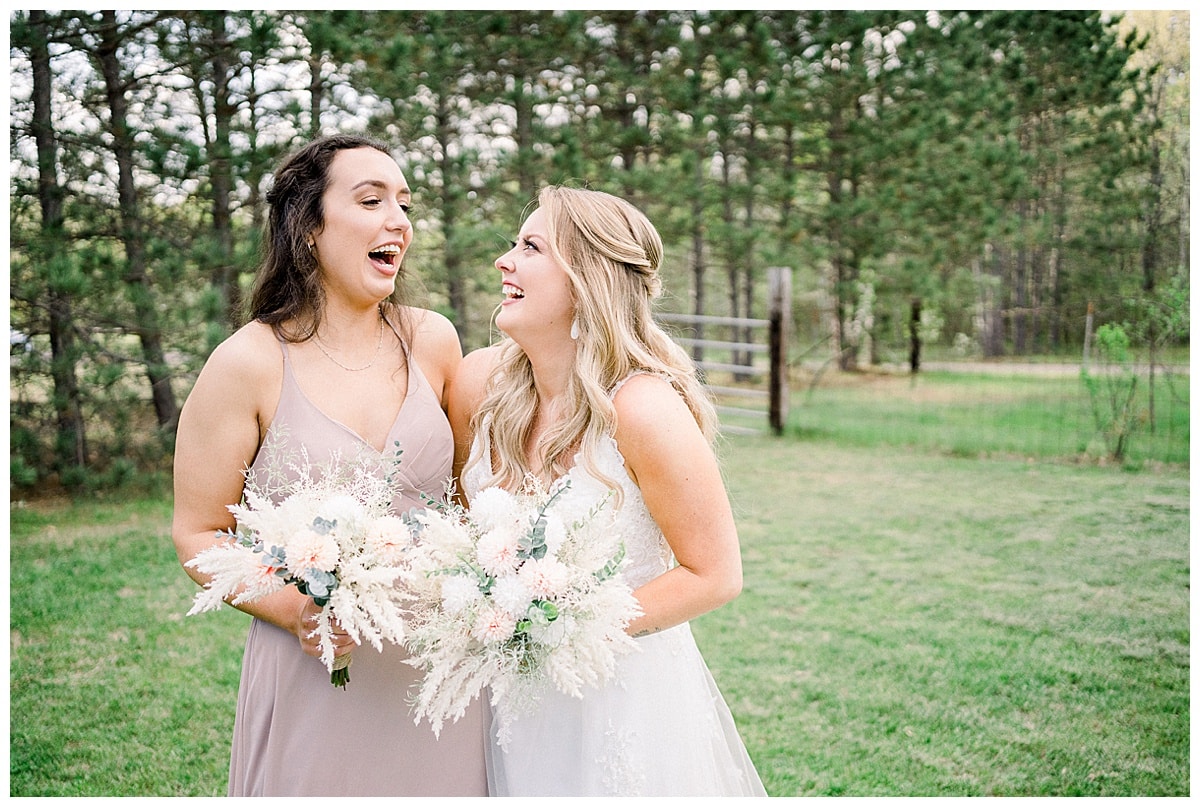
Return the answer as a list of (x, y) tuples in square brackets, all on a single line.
[(914, 625), (971, 414), (112, 691), (915, 621)]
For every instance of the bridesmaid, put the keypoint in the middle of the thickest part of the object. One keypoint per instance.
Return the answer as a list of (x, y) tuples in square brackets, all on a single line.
[(330, 362)]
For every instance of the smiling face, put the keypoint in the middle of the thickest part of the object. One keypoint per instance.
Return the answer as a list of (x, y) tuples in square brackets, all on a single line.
[(537, 292), (366, 229)]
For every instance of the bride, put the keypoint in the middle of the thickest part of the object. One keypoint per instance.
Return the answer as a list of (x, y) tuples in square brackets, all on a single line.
[(587, 384)]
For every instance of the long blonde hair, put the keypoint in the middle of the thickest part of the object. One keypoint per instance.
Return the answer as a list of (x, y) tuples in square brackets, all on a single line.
[(611, 253)]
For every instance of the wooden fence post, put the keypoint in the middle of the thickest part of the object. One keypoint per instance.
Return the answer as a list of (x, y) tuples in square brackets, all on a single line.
[(780, 280)]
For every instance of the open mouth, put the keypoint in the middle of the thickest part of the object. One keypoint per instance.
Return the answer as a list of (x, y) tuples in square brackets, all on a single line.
[(388, 255), (512, 292)]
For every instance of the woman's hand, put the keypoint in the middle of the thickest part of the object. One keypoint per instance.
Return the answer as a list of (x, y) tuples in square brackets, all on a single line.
[(307, 624)]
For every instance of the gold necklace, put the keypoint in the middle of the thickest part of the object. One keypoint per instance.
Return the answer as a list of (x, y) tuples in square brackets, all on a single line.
[(368, 365)]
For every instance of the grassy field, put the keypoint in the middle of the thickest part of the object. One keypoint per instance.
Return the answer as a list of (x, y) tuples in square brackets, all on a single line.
[(916, 621), (1000, 413), (112, 691), (914, 625)]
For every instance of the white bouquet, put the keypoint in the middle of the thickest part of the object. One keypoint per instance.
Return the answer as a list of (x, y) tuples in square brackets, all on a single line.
[(514, 596), (331, 533)]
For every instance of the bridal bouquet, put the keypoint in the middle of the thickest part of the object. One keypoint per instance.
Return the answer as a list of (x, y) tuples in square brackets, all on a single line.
[(517, 594), (328, 531)]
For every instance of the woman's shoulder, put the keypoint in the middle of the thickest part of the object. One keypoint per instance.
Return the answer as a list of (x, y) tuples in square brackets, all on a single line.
[(641, 389), (645, 403), (434, 344), (476, 368), (243, 374), (431, 330), (467, 393), (426, 320), (482, 360), (252, 351)]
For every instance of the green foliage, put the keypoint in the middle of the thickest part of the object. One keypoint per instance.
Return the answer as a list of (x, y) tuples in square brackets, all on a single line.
[(1113, 390), (1159, 319), (993, 163), (20, 473)]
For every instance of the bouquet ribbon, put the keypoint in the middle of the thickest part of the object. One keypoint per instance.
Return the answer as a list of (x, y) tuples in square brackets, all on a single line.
[(339, 675)]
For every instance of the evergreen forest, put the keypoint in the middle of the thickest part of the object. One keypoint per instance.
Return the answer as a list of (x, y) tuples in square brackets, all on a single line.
[(987, 183)]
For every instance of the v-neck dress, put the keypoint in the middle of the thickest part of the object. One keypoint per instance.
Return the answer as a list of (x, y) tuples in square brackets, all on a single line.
[(294, 733)]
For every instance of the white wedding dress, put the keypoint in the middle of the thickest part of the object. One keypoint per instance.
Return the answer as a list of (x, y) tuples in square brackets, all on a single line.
[(659, 728)]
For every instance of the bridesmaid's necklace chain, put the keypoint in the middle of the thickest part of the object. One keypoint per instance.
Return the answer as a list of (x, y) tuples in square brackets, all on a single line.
[(368, 365)]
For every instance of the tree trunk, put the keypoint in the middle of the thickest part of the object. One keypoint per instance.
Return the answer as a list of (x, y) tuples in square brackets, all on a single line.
[(316, 89), (1153, 227), (136, 279), (1059, 325), (224, 274), (732, 253), (523, 106), (256, 170), (1019, 286), (752, 158), (747, 334), (456, 285), (71, 444), (991, 313), (844, 270), (786, 202), (698, 268)]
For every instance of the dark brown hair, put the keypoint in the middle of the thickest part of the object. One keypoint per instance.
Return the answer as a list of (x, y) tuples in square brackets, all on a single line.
[(288, 286)]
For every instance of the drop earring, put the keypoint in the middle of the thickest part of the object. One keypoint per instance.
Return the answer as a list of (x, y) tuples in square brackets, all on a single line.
[(312, 248), (574, 329)]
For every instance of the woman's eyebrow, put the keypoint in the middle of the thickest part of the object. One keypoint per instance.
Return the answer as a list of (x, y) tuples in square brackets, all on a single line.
[(377, 183)]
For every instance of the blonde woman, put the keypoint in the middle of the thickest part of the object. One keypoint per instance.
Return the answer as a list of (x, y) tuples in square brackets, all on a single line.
[(586, 385)]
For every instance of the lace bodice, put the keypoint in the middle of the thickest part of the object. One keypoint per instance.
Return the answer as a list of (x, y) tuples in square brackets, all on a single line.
[(646, 550)]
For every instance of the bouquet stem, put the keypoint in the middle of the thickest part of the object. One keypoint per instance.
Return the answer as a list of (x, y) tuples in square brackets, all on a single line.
[(340, 675)]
